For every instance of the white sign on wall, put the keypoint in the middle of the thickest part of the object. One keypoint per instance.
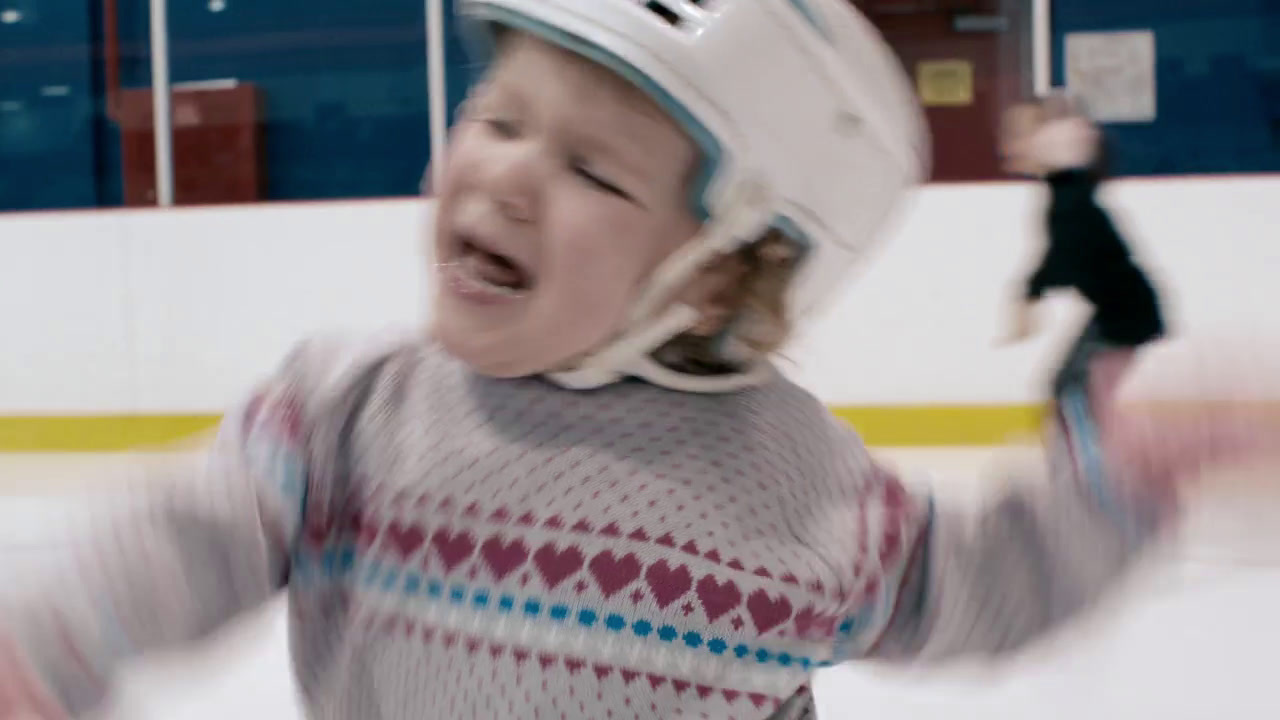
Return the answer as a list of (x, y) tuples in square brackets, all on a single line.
[(1114, 73)]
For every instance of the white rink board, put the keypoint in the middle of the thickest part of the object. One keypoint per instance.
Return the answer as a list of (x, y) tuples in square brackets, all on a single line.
[(181, 311)]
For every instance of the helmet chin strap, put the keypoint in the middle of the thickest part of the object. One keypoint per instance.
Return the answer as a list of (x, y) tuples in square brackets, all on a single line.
[(747, 214)]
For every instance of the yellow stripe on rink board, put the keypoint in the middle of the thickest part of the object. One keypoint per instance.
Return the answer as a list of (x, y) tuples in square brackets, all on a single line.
[(941, 425), (99, 433), (883, 426)]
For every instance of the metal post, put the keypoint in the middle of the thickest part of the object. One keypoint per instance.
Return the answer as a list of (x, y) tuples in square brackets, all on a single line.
[(1042, 46), (162, 112), (437, 91)]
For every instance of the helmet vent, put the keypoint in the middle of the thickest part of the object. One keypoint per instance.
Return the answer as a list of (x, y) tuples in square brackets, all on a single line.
[(668, 15)]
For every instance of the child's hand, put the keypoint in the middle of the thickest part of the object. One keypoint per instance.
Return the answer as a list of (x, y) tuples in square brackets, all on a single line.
[(1022, 324), (22, 697), (1168, 450)]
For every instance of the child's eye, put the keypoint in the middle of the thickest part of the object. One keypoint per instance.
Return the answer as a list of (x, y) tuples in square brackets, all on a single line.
[(599, 183), (501, 126)]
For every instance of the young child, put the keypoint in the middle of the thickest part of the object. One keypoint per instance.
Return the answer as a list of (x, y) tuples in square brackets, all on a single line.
[(588, 494), (1052, 139)]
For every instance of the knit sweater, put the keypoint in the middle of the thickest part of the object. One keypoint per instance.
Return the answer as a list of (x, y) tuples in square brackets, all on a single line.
[(456, 546)]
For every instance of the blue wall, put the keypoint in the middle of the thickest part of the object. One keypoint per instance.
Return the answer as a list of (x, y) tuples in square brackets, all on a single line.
[(47, 106), (344, 86), (1217, 82)]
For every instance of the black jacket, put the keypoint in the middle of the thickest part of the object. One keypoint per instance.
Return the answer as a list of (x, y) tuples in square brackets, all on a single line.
[(1087, 253)]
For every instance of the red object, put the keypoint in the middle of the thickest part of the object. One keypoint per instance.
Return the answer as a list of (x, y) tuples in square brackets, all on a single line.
[(964, 138), (217, 146)]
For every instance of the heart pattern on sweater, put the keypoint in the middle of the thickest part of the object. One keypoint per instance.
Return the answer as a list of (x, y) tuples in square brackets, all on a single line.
[(613, 574)]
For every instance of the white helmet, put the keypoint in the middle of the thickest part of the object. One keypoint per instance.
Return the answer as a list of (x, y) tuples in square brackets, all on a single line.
[(806, 121)]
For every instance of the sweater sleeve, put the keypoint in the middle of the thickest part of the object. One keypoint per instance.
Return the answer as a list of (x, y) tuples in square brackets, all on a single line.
[(990, 582), (166, 560)]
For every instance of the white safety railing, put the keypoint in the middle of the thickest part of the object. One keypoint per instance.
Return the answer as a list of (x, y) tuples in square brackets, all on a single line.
[(437, 90), (1042, 46), (162, 111)]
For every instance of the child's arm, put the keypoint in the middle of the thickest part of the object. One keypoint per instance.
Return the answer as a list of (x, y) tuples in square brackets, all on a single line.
[(1055, 270), (183, 553), (990, 583)]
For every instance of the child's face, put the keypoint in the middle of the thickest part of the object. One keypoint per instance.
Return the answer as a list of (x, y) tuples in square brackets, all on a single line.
[(577, 183), (1019, 124)]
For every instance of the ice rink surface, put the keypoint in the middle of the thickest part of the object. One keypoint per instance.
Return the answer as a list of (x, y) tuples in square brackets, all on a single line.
[(1190, 637)]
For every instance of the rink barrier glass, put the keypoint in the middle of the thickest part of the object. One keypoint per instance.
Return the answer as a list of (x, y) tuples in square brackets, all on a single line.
[(337, 97)]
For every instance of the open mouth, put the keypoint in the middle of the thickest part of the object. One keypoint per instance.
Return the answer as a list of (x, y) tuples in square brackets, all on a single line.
[(484, 269)]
